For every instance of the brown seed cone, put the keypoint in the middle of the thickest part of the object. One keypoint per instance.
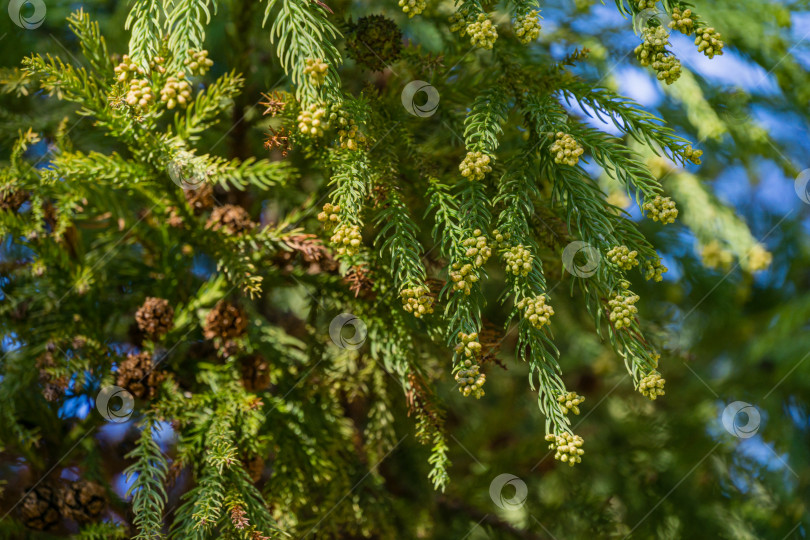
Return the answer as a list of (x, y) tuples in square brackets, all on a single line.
[(83, 501), (254, 467), (230, 218), (225, 321), (13, 200), (200, 199), (229, 348), (136, 374), (155, 317), (174, 220), (53, 387), (39, 509), (255, 373)]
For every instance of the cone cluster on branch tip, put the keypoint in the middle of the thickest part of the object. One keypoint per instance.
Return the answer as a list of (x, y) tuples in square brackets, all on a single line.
[(500, 239), (482, 32), (661, 209), (682, 21), (570, 402), (126, 69), (536, 311), (375, 42), (477, 248), (708, 41), (652, 52), (652, 385), (330, 215), (622, 257), (759, 258), (470, 380), (156, 64), (198, 63), (654, 270), (622, 307), (314, 120), (13, 199), (475, 166), (565, 149), (351, 137), (645, 4), (176, 91), (568, 447), (417, 300), (463, 275), (139, 94), (714, 256), (200, 199), (693, 155), (316, 69), (458, 23), (225, 321), (527, 27), (155, 317), (518, 260), (412, 7), (347, 239), (468, 345), (138, 376), (230, 218)]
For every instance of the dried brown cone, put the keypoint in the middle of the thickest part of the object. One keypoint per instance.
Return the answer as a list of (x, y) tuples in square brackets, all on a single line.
[(255, 373), (155, 317), (200, 199), (360, 283), (39, 508), (273, 103), (239, 518), (278, 138), (136, 374), (83, 501), (231, 218), (225, 321), (11, 201), (53, 387)]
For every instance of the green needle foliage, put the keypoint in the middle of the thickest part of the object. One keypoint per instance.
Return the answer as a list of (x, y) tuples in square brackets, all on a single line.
[(218, 288)]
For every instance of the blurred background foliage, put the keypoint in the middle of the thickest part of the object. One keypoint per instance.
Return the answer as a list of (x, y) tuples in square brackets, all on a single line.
[(663, 469)]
